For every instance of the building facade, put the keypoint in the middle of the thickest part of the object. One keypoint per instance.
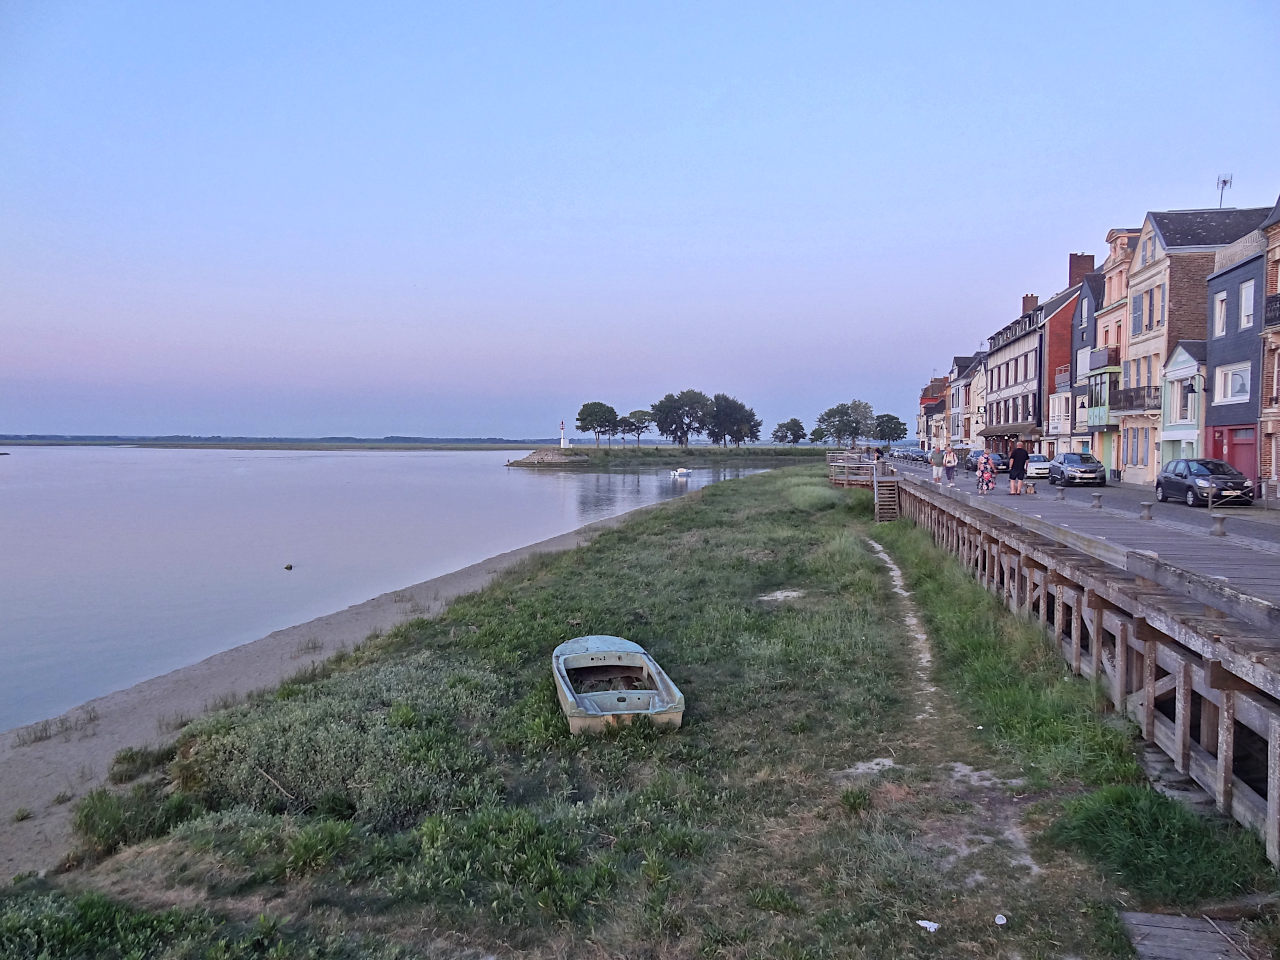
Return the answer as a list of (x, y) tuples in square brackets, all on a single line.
[(1182, 393), (1175, 255), (1269, 421), (1104, 358), (1083, 333), (1233, 363)]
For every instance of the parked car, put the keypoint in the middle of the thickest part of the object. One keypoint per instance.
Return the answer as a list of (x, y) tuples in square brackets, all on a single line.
[(1037, 467), (1069, 468), (1196, 481)]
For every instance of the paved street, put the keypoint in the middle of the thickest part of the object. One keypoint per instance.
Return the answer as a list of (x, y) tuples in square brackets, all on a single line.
[(1252, 522)]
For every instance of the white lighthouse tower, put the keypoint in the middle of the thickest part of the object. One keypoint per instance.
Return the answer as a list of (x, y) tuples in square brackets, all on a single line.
[(564, 441)]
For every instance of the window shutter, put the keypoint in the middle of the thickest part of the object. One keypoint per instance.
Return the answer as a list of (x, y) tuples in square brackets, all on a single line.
[(1163, 295), (1135, 314)]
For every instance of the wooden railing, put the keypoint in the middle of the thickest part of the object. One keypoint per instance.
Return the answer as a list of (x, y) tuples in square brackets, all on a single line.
[(1194, 663)]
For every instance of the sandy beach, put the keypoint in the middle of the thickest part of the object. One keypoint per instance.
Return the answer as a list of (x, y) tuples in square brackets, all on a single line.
[(46, 776)]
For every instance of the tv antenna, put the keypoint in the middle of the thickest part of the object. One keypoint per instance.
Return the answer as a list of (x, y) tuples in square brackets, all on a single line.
[(1223, 183)]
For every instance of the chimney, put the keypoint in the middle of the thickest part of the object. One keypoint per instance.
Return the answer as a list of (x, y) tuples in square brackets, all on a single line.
[(1077, 267), (1029, 302)]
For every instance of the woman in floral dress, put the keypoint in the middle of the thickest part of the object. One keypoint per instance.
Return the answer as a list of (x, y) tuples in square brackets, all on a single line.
[(986, 474)]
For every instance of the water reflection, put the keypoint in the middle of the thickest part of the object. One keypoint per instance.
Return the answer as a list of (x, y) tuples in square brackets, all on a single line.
[(121, 564)]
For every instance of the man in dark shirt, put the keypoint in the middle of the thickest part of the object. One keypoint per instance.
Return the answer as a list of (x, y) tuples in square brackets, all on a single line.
[(1017, 469)]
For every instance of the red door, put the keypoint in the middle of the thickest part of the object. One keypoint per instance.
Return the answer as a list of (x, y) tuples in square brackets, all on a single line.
[(1242, 451)]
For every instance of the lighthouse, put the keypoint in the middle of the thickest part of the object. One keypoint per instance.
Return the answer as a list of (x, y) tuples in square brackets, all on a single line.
[(564, 441)]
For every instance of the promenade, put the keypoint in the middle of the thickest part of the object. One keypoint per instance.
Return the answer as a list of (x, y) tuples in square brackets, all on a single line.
[(1179, 627), (1247, 557)]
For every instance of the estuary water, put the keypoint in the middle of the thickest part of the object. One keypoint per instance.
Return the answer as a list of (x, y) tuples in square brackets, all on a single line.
[(120, 564)]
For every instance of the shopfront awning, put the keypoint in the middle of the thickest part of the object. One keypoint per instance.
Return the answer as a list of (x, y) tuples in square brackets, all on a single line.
[(1015, 431)]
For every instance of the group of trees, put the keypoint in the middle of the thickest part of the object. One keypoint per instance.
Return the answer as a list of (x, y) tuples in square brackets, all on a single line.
[(678, 417), (724, 419), (844, 423)]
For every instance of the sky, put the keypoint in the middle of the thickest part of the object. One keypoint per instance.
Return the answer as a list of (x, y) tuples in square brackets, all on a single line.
[(467, 219)]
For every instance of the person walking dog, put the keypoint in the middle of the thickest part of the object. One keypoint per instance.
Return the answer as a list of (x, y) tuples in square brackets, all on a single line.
[(1017, 469)]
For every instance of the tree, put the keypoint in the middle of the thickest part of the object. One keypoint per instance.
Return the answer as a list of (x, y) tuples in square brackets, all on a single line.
[(889, 428), (818, 435), (731, 419), (837, 422), (861, 420), (598, 418), (626, 427), (641, 423), (788, 431), (679, 416)]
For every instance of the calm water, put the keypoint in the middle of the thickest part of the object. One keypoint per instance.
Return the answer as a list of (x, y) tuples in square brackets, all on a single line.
[(122, 564)]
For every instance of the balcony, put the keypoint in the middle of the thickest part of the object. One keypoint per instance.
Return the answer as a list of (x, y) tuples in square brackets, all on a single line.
[(1102, 418), (1271, 311), (1062, 378), (1136, 399), (1104, 357)]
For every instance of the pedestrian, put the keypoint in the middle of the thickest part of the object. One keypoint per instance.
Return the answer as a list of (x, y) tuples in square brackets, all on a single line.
[(1017, 468), (949, 461), (935, 461), (986, 474)]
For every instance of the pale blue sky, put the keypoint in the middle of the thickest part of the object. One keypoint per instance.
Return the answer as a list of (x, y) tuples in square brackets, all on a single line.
[(467, 219)]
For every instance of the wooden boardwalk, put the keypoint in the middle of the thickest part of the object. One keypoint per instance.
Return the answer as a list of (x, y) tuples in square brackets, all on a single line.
[(1156, 936), (1181, 630)]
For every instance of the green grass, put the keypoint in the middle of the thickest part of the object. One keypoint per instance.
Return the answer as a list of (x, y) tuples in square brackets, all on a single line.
[(1011, 679), (425, 784), (134, 762), (39, 922), (1160, 850), (106, 821)]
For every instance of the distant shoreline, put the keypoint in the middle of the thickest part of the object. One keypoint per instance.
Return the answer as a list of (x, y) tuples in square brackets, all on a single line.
[(260, 443)]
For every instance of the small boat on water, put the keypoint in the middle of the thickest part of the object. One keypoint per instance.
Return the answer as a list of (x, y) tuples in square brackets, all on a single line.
[(682, 472), (605, 681)]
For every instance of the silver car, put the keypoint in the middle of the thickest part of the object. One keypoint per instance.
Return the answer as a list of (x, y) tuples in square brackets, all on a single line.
[(1037, 467), (1068, 468)]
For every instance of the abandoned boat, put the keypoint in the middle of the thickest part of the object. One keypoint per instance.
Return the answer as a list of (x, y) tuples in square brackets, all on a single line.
[(603, 681)]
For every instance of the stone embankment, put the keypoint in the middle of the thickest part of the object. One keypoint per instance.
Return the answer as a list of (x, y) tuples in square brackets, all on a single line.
[(549, 457)]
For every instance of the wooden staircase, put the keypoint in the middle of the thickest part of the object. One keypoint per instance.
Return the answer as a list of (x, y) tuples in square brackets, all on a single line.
[(885, 491)]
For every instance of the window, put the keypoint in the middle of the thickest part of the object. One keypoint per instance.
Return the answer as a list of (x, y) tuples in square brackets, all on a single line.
[(1150, 297), (1232, 384), (1150, 382), (1186, 402), (1220, 314), (1146, 443), (1246, 305)]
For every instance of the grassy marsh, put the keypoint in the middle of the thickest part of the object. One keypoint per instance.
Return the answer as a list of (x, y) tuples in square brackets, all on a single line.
[(423, 790)]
